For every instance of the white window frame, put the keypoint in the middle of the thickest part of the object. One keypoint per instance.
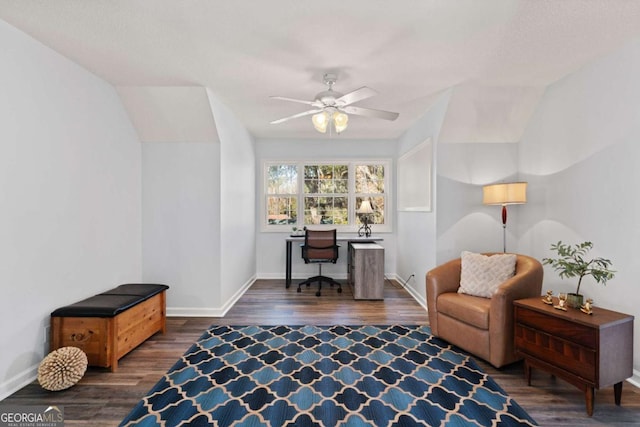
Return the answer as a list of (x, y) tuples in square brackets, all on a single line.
[(352, 227)]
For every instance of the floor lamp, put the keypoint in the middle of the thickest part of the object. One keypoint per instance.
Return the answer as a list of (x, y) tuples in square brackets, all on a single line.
[(512, 193)]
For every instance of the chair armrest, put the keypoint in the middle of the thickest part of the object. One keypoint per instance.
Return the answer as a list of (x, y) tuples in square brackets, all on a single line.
[(527, 282), (442, 279)]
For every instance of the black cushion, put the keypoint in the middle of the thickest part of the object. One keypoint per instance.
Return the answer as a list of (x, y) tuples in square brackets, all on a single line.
[(99, 306), (112, 302), (146, 290)]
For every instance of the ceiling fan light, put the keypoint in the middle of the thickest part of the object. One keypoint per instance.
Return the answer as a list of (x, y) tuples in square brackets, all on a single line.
[(340, 121), (320, 121)]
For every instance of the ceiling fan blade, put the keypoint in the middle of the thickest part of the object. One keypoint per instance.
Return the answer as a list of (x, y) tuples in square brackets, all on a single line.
[(355, 96), (369, 112), (295, 116), (300, 101)]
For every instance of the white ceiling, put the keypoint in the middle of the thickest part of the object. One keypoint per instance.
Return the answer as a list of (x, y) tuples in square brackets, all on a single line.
[(409, 51)]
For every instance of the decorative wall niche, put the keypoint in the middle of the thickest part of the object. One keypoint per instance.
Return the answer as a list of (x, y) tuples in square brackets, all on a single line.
[(414, 178)]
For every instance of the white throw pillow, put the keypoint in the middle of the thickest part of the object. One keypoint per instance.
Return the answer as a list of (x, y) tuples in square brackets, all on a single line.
[(481, 275)]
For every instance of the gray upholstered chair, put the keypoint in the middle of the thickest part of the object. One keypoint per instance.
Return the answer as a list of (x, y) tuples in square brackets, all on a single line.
[(481, 326)]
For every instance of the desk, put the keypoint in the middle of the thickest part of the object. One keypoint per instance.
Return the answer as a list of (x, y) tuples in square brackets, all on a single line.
[(291, 239)]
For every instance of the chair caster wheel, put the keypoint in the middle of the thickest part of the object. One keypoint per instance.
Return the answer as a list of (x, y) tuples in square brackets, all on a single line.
[(318, 293), (298, 290)]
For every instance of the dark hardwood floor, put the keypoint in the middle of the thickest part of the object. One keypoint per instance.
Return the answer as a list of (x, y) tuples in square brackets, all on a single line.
[(103, 398)]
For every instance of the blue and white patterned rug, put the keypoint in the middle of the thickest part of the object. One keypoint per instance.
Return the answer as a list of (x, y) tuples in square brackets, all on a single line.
[(325, 376)]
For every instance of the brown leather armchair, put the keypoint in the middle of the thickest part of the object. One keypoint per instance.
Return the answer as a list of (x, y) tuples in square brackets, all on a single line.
[(481, 326)]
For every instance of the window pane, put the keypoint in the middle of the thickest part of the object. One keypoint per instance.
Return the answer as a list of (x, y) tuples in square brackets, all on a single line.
[(341, 217), (325, 186), (310, 172), (326, 179), (311, 212), (310, 186), (282, 210), (326, 210), (325, 171), (340, 212), (325, 202), (377, 217), (379, 208), (370, 179), (282, 179), (341, 172)]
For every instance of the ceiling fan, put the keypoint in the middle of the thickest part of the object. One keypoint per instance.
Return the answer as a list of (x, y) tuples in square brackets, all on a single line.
[(331, 108)]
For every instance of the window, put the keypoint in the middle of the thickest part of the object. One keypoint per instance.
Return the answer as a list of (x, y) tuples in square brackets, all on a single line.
[(370, 181), (316, 194), (282, 194), (326, 194)]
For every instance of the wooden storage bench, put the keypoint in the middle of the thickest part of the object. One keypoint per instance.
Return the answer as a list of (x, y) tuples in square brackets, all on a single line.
[(111, 324)]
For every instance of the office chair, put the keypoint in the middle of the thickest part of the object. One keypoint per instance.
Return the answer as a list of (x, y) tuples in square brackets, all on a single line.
[(320, 247)]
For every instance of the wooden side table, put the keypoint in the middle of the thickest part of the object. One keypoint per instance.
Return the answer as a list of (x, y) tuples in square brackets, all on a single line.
[(588, 351)]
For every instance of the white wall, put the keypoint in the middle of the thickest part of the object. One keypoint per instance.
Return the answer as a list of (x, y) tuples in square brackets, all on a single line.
[(237, 203), (416, 231), (270, 246), (464, 223), (70, 221), (580, 155), (199, 217), (181, 224)]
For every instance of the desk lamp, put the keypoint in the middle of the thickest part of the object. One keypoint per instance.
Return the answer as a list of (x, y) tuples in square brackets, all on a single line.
[(366, 209)]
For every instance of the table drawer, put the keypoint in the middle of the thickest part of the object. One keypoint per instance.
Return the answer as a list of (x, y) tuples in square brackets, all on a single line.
[(564, 354), (560, 328)]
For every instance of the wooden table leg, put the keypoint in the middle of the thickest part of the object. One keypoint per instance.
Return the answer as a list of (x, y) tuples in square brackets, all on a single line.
[(617, 392), (527, 372), (287, 280), (588, 395)]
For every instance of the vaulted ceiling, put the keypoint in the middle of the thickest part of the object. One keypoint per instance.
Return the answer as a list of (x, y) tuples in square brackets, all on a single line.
[(497, 56)]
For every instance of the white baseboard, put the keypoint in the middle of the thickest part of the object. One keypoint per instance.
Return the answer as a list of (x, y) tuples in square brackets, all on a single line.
[(15, 383), (635, 379), (194, 312), (211, 312), (299, 276), (24, 378), (416, 296)]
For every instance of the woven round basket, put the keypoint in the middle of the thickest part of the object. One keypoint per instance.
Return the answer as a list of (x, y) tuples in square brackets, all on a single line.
[(62, 368)]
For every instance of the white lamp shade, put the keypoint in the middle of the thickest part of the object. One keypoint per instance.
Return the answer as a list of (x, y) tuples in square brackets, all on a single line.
[(324, 119), (340, 121), (320, 121), (365, 207), (512, 193)]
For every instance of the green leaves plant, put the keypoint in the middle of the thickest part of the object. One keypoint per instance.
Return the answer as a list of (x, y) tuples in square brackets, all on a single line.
[(571, 262)]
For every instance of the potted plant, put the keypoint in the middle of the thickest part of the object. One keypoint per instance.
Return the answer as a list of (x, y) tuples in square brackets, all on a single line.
[(571, 262)]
